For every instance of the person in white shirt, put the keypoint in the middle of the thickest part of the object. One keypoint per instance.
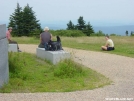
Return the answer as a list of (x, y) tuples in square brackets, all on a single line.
[(109, 44)]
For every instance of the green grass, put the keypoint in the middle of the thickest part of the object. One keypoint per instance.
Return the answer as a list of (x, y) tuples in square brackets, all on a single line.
[(124, 45), (31, 74)]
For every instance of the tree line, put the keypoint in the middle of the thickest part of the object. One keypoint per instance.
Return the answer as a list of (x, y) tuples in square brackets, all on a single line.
[(87, 29), (24, 23)]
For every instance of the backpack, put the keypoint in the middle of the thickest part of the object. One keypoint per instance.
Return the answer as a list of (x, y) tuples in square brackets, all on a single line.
[(53, 45), (47, 46)]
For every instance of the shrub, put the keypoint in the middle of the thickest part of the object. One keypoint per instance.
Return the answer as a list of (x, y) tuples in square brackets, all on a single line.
[(69, 33), (99, 33), (132, 34), (113, 34), (68, 69)]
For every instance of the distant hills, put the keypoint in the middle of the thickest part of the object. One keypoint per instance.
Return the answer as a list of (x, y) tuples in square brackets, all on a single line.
[(118, 30)]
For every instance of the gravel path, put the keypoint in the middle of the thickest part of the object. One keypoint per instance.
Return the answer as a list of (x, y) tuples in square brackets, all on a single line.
[(119, 69)]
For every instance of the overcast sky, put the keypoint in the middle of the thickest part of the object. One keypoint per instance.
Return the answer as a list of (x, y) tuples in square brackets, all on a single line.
[(97, 12)]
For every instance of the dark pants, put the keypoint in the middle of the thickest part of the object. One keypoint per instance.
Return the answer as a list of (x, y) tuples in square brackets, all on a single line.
[(110, 48), (41, 45), (14, 42)]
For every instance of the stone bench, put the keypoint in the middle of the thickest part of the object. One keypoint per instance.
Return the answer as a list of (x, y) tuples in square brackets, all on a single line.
[(12, 48), (53, 56)]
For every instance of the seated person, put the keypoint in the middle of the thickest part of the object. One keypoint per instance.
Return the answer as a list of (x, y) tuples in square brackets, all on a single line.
[(109, 44), (45, 37), (8, 36)]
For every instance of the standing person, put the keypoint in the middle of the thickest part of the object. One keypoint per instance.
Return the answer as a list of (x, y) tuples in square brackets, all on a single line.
[(109, 44), (8, 35), (45, 37)]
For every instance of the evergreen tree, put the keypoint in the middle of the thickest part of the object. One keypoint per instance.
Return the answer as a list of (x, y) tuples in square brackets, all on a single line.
[(126, 33), (23, 21), (70, 25), (12, 23), (86, 29), (89, 29), (16, 21), (131, 33), (29, 21), (81, 23)]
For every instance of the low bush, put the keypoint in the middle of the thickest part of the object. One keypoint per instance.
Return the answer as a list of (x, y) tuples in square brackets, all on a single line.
[(68, 33), (99, 33), (132, 34), (68, 69), (113, 34)]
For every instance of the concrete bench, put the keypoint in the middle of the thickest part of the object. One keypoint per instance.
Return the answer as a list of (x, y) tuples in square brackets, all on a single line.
[(52, 56), (12, 48)]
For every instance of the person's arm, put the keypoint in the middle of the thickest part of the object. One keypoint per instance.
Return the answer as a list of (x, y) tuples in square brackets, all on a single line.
[(8, 36), (106, 44)]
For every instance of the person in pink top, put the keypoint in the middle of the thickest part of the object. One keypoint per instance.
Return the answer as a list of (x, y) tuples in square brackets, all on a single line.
[(8, 36)]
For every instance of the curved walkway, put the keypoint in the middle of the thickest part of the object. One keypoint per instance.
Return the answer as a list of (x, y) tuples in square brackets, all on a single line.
[(119, 69)]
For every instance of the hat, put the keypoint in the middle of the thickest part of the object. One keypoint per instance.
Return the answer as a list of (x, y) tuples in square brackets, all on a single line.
[(10, 28), (46, 28)]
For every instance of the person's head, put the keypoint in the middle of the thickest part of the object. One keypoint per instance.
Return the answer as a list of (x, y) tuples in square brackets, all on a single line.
[(107, 37), (10, 29), (46, 29)]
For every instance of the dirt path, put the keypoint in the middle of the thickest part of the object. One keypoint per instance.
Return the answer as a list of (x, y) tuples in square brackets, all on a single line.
[(119, 69)]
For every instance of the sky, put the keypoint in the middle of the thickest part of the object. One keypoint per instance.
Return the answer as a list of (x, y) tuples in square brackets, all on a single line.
[(60, 12)]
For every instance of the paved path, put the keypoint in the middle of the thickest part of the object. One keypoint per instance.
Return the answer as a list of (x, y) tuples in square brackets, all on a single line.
[(119, 69)]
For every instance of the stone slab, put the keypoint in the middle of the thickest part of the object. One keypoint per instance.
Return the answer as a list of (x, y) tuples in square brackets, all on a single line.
[(4, 69), (12, 48), (3, 31), (53, 56)]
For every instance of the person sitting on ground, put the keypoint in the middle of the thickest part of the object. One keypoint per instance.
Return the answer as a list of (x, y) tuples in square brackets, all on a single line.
[(8, 36), (45, 37), (109, 44)]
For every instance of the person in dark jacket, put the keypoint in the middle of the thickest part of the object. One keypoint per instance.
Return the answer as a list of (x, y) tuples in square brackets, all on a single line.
[(45, 37)]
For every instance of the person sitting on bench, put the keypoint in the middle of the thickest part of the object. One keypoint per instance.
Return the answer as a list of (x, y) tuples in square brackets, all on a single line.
[(8, 36), (45, 37)]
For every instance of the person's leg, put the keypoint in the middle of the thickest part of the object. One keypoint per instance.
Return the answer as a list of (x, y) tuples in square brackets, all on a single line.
[(14, 42), (103, 47), (41, 46), (110, 48)]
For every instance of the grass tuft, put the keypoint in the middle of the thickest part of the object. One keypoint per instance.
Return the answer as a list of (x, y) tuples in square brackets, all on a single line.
[(68, 69)]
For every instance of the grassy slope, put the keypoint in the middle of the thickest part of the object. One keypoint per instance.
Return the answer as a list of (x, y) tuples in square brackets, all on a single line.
[(31, 74), (124, 45)]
